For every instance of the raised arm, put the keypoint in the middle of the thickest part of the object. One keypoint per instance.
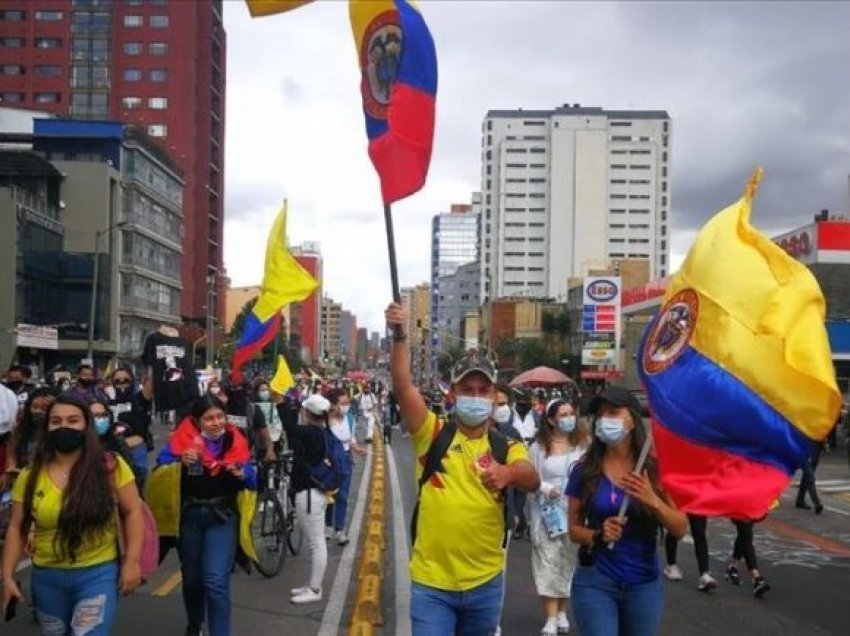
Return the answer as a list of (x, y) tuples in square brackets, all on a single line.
[(411, 405)]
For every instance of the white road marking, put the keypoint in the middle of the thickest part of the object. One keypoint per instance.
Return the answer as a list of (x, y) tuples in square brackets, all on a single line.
[(339, 591), (400, 553)]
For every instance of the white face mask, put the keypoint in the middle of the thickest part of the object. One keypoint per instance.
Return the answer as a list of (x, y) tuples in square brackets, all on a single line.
[(502, 414)]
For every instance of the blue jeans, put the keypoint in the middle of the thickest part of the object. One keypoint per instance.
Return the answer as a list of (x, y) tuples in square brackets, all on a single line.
[(336, 512), (475, 612), (76, 600), (207, 548), (603, 607)]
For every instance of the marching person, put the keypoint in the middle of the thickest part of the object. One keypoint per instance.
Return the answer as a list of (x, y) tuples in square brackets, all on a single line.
[(617, 589), (65, 504), (215, 465), (366, 403), (131, 406), (744, 548), (341, 425), (31, 424), (457, 567), (557, 448)]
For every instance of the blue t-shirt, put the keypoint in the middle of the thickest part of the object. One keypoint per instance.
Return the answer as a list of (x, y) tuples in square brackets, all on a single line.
[(634, 558)]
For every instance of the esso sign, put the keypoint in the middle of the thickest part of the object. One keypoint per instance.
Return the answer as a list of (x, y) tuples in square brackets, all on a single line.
[(601, 291), (797, 245)]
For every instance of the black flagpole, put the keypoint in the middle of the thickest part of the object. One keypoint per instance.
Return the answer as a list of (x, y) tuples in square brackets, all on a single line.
[(398, 330)]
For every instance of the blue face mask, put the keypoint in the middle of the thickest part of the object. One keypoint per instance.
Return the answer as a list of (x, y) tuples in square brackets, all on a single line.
[(101, 425), (567, 423), (473, 411), (611, 430), (264, 396)]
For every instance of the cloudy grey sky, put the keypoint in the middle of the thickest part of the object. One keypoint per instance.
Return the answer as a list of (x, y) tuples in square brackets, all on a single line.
[(745, 83)]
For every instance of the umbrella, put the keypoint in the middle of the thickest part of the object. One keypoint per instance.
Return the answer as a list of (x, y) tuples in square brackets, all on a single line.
[(541, 376)]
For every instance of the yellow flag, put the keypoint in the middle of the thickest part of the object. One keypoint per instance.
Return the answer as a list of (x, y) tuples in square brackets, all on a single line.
[(284, 280), (282, 379), (269, 7)]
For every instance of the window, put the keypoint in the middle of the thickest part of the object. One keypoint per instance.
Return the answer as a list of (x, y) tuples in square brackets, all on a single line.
[(11, 98), (537, 165), (132, 74), (617, 226), (132, 48), (513, 151), (618, 166), (639, 226), (620, 124), (47, 70), (47, 98), (133, 21), (538, 151), (159, 21), (11, 69), (533, 123), (537, 180), (12, 15), (640, 152), (158, 103), (159, 3), (621, 138), (158, 130), (158, 48), (617, 181), (133, 3), (618, 196), (12, 43), (48, 16), (131, 103), (534, 138), (640, 166), (48, 43)]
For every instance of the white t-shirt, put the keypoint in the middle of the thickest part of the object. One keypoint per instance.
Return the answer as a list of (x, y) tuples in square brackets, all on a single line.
[(366, 402), (8, 410), (342, 432), (525, 426)]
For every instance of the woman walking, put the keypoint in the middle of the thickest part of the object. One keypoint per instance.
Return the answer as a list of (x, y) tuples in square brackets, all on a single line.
[(617, 588), (555, 451), (31, 424), (215, 466), (744, 548), (341, 425), (308, 446), (68, 501)]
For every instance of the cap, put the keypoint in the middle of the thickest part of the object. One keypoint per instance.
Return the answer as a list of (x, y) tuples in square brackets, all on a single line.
[(616, 395), (316, 404), (473, 361)]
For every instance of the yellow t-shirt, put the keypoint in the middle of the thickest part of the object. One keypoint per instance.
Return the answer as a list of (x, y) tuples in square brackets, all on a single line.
[(461, 524), (95, 549)]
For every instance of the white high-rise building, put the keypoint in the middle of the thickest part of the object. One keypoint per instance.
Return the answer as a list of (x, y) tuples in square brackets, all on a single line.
[(568, 190)]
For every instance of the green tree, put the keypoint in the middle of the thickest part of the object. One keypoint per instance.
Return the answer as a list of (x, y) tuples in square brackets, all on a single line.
[(447, 357)]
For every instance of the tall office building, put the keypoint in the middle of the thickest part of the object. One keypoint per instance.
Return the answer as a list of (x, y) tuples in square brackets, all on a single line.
[(331, 336), (454, 243), (156, 63), (570, 189), (309, 310)]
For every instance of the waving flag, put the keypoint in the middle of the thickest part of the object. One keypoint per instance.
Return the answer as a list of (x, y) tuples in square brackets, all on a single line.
[(284, 282), (398, 63), (268, 7), (738, 370)]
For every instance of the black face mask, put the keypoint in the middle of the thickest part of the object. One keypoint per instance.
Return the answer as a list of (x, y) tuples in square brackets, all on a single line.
[(65, 440), (86, 382), (14, 385), (523, 409)]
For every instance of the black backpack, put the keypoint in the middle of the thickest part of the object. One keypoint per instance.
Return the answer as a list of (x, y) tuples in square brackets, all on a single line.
[(434, 459)]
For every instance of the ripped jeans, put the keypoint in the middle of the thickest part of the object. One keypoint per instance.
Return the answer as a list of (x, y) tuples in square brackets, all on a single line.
[(76, 601)]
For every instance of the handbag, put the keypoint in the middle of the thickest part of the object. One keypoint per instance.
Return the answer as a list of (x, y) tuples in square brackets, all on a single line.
[(553, 514)]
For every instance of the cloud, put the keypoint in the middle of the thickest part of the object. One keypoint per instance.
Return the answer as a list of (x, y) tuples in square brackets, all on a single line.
[(746, 84)]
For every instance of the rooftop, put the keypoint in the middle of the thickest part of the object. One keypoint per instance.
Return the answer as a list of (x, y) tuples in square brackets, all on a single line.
[(578, 109)]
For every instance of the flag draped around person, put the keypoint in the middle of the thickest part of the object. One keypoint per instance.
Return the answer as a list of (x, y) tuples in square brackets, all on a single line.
[(737, 369), (284, 282)]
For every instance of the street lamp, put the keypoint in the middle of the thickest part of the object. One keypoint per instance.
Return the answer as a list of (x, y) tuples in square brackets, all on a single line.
[(94, 283)]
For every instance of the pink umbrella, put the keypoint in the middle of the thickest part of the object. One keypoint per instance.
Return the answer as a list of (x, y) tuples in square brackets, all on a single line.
[(540, 376)]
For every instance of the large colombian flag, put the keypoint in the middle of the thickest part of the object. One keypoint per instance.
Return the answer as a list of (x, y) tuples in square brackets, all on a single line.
[(738, 370), (398, 63), (284, 282)]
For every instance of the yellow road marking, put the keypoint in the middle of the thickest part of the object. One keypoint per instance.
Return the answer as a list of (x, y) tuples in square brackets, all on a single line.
[(168, 585)]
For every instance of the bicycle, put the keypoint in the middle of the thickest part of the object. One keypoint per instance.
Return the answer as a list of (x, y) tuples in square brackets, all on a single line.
[(274, 527)]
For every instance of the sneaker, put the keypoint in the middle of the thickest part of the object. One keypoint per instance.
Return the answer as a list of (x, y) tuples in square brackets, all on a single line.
[(329, 533), (310, 596), (341, 538), (706, 582), (818, 508), (760, 587), (298, 591), (673, 572), (562, 623), (550, 628), (732, 575)]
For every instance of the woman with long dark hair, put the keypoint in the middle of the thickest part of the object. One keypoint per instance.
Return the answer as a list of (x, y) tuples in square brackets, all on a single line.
[(215, 465), (67, 499), (112, 440), (23, 441), (557, 447), (617, 585)]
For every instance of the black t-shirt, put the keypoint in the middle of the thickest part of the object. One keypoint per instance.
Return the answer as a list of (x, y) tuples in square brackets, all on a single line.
[(175, 383), (307, 443)]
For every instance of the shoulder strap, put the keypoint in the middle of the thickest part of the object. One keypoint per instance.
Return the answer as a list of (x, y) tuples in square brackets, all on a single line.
[(498, 445), (436, 451)]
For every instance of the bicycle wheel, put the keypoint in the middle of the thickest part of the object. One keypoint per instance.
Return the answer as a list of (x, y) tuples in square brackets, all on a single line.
[(294, 536), (268, 529)]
